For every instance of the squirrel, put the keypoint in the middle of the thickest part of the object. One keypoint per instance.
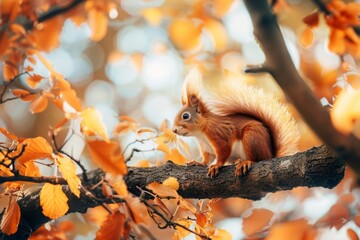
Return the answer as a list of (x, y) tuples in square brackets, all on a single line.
[(242, 124)]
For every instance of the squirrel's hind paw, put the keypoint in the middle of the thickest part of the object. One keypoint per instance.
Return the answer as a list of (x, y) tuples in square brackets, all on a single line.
[(242, 167)]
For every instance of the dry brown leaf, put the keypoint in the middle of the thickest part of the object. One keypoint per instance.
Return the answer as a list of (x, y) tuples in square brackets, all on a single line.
[(107, 156), (294, 230), (257, 221), (161, 190), (53, 201), (112, 228), (68, 170), (11, 218)]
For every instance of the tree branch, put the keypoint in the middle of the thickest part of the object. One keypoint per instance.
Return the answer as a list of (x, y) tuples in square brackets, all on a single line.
[(313, 168), (279, 64)]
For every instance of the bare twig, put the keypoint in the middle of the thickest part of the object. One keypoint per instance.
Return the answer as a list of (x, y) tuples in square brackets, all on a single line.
[(43, 179)]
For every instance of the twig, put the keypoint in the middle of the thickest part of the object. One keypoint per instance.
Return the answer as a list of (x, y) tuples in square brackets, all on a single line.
[(43, 179), (134, 150)]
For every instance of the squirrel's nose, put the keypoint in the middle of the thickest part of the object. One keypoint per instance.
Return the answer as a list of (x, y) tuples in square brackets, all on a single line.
[(175, 130)]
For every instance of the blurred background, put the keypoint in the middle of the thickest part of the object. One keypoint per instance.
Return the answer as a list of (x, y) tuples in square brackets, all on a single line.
[(138, 68)]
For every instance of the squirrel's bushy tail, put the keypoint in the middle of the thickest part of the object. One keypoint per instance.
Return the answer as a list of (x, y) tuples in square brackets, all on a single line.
[(251, 101), (254, 102)]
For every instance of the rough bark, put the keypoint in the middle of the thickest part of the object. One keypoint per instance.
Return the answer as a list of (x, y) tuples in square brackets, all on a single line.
[(316, 167)]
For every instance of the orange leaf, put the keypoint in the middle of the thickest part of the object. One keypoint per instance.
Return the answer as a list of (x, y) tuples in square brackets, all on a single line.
[(107, 156), (138, 209), (161, 190), (312, 20), (112, 228), (221, 7), (29, 68), (143, 163), (221, 234), (119, 185), (307, 37), (11, 218), (337, 41), (98, 21), (294, 230), (357, 220), (33, 80), (8, 134), (38, 105), (187, 206), (181, 233), (17, 28), (92, 123), (257, 221), (175, 156), (69, 95), (35, 148), (10, 71), (185, 33), (68, 169), (28, 169), (53, 201), (218, 33), (171, 182), (352, 234), (346, 110), (24, 95), (153, 16), (337, 216), (201, 219)]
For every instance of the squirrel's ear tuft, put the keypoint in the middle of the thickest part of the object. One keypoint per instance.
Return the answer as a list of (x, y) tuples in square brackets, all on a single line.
[(192, 86)]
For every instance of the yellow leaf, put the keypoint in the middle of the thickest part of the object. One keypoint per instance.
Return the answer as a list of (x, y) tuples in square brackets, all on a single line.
[(171, 182), (33, 80), (180, 232), (186, 205), (175, 156), (143, 163), (346, 110), (35, 148), (112, 228), (161, 190), (258, 220), (97, 20), (28, 169), (38, 105), (119, 185), (11, 218), (221, 234), (107, 156), (92, 123), (53, 201), (68, 169)]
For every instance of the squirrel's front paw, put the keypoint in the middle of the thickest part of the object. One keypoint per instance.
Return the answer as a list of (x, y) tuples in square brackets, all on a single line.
[(213, 171), (242, 167)]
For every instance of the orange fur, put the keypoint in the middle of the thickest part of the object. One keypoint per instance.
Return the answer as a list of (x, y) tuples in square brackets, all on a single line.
[(232, 124)]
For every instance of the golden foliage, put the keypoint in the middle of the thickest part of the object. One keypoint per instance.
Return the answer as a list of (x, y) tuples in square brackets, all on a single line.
[(113, 227), (68, 169), (11, 218), (53, 201)]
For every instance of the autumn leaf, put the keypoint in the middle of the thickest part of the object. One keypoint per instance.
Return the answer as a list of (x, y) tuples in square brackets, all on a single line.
[(68, 169), (337, 216), (119, 185), (11, 218), (35, 148), (143, 163), (294, 230), (312, 20), (257, 221), (181, 233), (337, 42), (175, 156), (8, 134), (33, 80), (346, 111), (137, 209), (221, 234), (107, 156), (112, 228), (92, 123), (10, 71), (153, 16), (28, 169), (24, 95), (217, 32), (53, 201), (171, 182), (161, 190), (352, 234), (307, 37), (39, 104)]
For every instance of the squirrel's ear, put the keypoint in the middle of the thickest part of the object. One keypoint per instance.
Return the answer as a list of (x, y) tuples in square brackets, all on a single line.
[(193, 100)]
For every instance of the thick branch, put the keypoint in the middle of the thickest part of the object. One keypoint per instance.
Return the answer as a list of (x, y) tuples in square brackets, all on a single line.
[(316, 167), (280, 65)]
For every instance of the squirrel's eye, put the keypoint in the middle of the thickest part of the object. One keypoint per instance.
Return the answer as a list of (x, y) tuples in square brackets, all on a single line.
[(186, 116)]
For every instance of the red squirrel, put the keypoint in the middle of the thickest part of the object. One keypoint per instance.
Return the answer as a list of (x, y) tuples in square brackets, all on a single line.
[(242, 124)]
